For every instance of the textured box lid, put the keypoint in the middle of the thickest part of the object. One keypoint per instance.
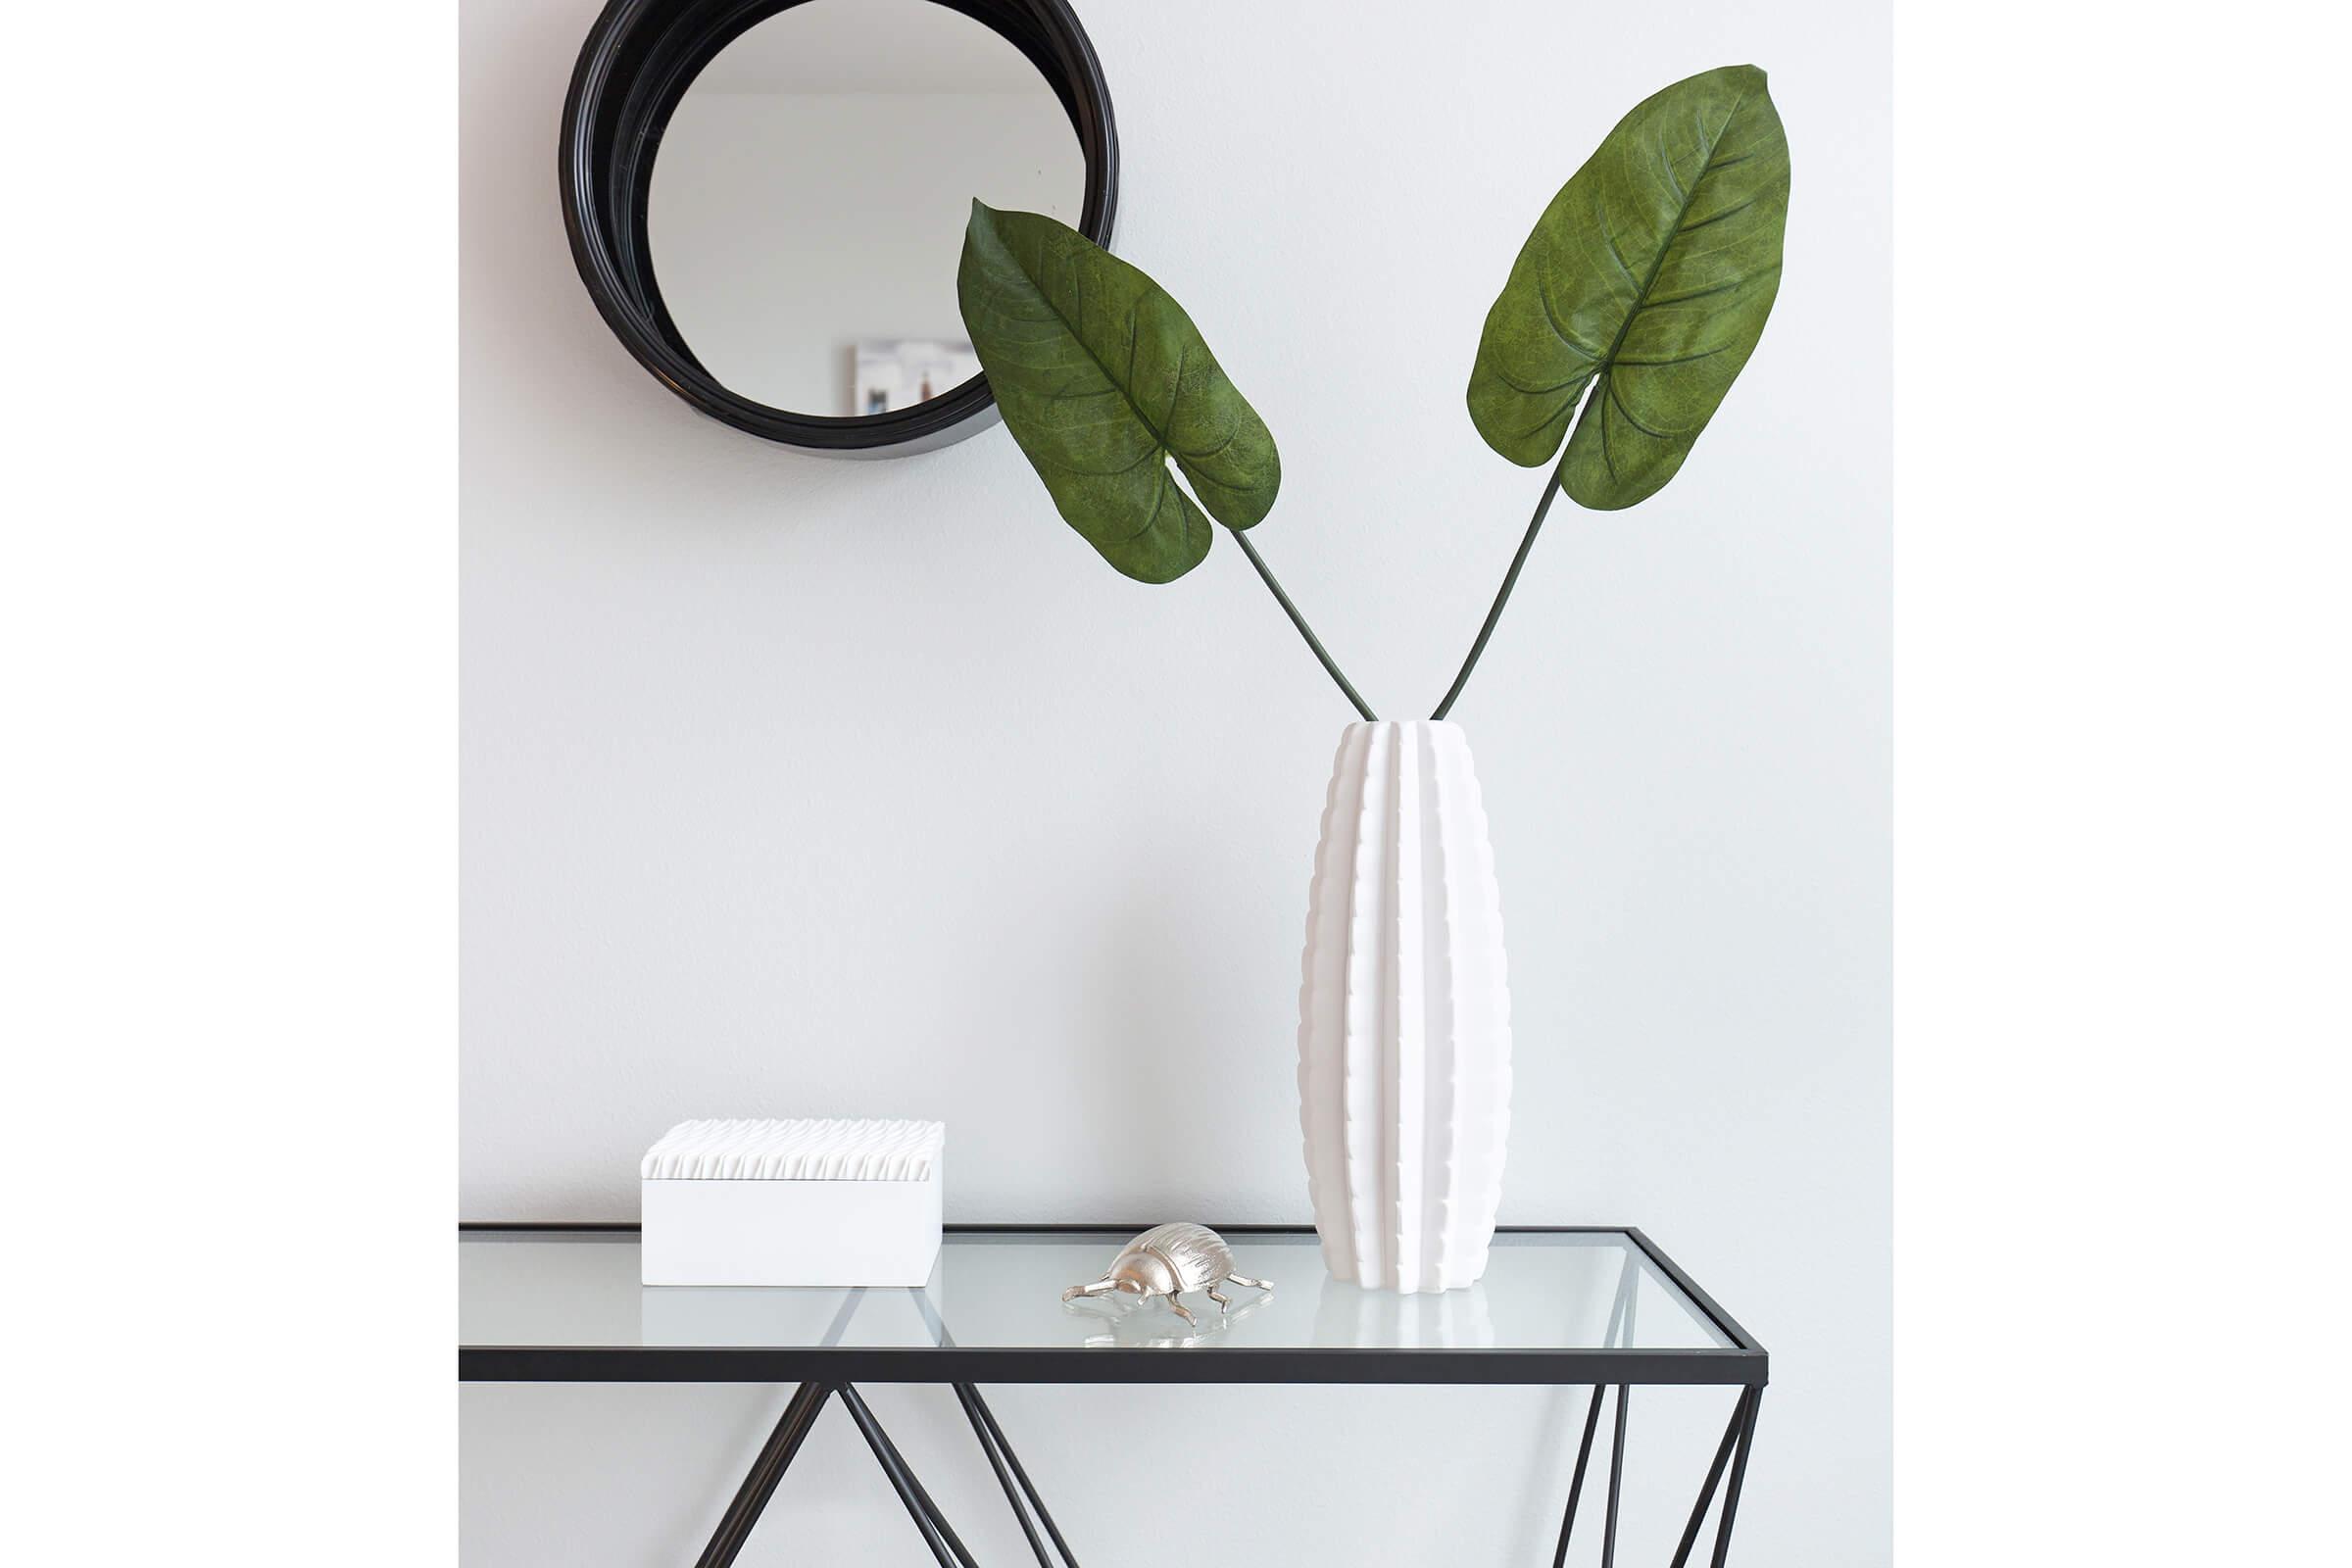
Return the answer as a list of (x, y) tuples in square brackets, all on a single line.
[(814, 1148)]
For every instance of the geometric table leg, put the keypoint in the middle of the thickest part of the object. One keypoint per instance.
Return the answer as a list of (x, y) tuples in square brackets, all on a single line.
[(758, 1487), (937, 1535), (1620, 1313), (1608, 1534), (1706, 1493), (1576, 1483), (1739, 1439), (792, 1428), (1731, 1494), (1000, 1455)]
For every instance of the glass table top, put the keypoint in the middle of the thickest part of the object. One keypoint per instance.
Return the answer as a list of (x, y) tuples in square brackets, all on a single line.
[(1600, 1304)]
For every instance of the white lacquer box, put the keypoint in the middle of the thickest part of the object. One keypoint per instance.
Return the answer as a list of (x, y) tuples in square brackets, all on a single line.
[(822, 1203)]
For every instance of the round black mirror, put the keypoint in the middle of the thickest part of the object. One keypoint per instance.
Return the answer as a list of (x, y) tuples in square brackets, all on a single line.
[(766, 198)]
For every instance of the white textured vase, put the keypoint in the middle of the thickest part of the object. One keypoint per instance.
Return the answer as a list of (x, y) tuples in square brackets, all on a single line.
[(1404, 1015)]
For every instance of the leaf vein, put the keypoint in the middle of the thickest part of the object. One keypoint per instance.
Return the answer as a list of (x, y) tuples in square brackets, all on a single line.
[(1628, 413)]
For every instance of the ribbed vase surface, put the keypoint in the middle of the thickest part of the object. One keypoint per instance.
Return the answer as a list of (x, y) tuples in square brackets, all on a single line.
[(1405, 1032)]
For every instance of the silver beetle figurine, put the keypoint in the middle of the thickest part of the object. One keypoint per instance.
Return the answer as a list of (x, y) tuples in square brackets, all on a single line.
[(1168, 1260)]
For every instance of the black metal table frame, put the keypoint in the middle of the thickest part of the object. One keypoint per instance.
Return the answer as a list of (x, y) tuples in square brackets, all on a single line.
[(827, 1371)]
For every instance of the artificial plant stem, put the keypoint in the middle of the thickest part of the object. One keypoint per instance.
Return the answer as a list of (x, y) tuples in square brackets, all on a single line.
[(1299, 621), (1552, 487)]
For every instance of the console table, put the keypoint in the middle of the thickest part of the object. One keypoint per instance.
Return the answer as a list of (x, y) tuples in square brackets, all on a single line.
[(1586, 1306)]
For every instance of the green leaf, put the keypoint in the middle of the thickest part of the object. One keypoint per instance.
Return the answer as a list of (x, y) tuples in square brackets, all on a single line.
[(1102, 378), (1648, 279)]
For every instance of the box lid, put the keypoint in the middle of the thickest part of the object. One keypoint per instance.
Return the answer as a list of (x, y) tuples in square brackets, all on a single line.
[(812, 1149)]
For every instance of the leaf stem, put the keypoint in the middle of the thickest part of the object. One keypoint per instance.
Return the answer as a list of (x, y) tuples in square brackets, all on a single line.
[(1502, 595), (1241, 537)]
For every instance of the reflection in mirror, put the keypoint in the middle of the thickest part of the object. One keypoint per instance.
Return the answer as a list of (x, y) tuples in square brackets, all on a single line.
[(810, 196)]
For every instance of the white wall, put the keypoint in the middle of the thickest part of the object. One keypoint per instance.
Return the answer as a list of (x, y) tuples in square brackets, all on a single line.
[(798, 786)]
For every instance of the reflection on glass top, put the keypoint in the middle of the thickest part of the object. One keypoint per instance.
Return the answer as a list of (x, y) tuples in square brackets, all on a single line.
[(1549, 1291)]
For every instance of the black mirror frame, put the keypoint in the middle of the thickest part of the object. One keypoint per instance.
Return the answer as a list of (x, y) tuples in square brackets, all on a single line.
[(639, 59)]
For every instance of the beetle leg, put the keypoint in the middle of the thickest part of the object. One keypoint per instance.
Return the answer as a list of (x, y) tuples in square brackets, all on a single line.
[(1178, 1307), (1223, 1305), (1255, 1285)]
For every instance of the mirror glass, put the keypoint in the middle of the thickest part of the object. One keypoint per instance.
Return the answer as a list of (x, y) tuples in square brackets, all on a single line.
[(809, 195)]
